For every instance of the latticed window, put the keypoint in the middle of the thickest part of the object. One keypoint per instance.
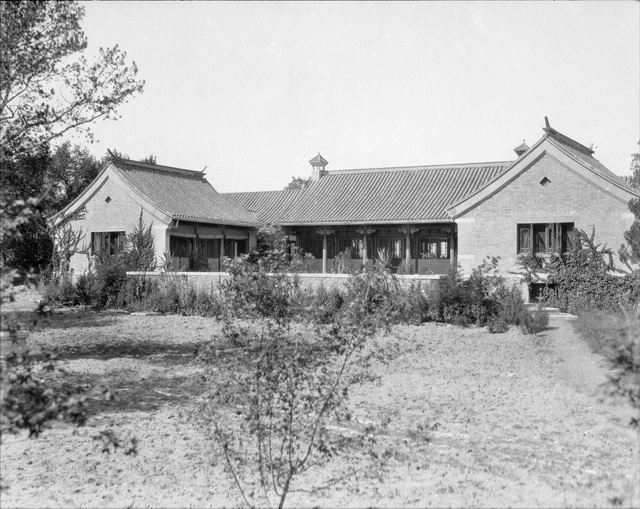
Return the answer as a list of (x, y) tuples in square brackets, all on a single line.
[(544, 238), (108, 243), (434, 247)]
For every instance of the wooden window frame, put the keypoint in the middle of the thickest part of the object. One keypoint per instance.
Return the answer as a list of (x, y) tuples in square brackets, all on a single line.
[(442, 247), (543, 238), (116, 242)]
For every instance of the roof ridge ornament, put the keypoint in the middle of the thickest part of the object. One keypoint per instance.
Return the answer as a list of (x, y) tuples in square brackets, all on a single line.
[(550, 132), (521, 149), (318, 161), (319, 164)]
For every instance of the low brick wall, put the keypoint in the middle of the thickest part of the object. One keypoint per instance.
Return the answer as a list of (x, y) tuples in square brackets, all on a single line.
[(211, 280)]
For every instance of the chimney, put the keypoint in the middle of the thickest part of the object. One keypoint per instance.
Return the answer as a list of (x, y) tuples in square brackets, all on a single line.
[(521, 149), (318, 163)]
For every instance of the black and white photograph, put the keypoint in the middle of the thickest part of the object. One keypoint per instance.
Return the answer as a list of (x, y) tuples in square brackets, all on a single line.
[(312, 254)]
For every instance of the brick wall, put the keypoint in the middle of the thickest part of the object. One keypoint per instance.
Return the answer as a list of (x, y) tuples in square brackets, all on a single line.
[(490, 228), (120, 213)]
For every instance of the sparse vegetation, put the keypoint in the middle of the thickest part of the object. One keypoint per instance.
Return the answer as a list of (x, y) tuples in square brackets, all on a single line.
[(586, 282)]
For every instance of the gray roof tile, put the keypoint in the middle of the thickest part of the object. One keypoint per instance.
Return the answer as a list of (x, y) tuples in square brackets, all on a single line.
[(182, 194), (382, 195)]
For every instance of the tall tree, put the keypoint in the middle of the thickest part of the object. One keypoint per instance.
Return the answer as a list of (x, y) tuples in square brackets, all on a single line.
[(47, 87), (71, 170)]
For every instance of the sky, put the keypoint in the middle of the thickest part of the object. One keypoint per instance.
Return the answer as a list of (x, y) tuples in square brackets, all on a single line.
[(253, 90)]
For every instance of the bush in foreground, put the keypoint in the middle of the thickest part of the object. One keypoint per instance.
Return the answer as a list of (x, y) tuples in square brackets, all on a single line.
[(616, 336)]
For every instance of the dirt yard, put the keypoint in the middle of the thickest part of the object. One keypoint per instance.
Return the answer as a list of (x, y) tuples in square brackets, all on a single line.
[(457, 417)]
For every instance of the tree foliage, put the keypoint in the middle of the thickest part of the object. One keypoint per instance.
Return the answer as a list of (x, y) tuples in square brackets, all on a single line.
[(584, 278), (630, 252), (57, 179), (635, 169), (298, 183), (141, 253), (71, 170), (47, 87)]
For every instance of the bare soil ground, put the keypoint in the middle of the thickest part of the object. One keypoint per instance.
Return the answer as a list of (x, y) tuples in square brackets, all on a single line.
[(455, 417)]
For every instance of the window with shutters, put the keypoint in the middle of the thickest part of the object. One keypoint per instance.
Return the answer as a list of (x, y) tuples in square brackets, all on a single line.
[(108, 243), (544, 238)]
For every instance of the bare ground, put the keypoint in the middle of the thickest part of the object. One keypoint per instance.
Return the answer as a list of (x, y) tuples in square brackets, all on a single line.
[(457, 417)]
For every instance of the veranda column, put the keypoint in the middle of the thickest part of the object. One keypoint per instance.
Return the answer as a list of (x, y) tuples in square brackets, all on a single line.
[(365, 232), (452, 247), (408, 247), (221, 257), (408, 231), (324, 251), (364, 246), (324, 233)]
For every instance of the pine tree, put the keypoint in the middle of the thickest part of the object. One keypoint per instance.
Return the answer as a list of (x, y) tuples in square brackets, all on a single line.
[(141, 255)]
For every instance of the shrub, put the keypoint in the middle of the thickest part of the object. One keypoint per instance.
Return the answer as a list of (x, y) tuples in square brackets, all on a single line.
[(374, 288), (412, 304), (60, 293), (29, 401), (624, 358), (165, 298), (535, 321), (511, 305), (597, 328), (475, 298), (461, 320), (324, 304), (583, 278), (285, 385), (88, 289), (616, 336), (111, 277), (141, 253), (497, 325)]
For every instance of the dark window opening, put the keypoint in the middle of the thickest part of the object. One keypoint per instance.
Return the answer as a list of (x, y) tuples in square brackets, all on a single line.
[(235, 248), (434, 247), (544, 238), (108, 243), (393, 246)]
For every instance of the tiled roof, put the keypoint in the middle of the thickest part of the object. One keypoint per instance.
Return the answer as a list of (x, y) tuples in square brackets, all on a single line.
[(268, 205), (182, 194), (388, 195), (584, 156)]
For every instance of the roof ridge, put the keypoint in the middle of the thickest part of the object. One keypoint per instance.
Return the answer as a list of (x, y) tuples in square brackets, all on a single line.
[(262, 192), (564, 139), (422, 167), (156, 167)]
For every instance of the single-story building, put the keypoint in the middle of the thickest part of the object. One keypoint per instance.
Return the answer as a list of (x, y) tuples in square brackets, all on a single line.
[(422, 219), (190, 220), (430, 217)]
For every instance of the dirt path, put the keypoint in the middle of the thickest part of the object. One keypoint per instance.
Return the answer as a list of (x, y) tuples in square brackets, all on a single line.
[(584, 370), (457, 417)]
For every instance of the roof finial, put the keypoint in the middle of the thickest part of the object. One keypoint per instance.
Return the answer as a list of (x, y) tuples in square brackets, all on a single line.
[(319, 164), (546, 121), (521, 149)]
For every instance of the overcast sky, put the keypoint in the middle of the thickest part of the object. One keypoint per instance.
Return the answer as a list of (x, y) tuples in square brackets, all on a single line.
[(254, 90)]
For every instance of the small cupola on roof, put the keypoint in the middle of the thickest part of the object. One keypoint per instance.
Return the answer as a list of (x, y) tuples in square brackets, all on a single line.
[(319, 164), (521, 149)]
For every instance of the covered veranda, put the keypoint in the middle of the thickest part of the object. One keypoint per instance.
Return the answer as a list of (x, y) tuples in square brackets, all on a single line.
[(405, 248)]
